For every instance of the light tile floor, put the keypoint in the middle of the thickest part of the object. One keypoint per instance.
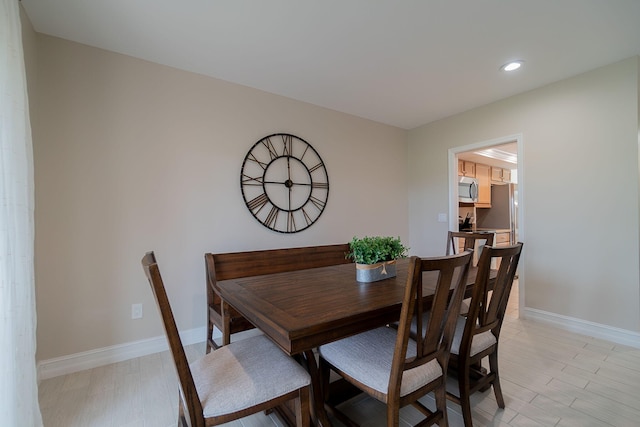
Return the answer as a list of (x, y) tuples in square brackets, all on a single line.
[(549, 378)]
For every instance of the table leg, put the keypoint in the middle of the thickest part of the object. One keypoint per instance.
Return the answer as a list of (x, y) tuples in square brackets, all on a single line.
[(317, 407)]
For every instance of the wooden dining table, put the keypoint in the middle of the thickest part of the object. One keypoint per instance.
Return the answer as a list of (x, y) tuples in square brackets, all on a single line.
[(301, 310)]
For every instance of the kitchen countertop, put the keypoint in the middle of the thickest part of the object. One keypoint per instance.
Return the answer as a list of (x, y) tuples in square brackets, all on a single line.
[(493, 230)]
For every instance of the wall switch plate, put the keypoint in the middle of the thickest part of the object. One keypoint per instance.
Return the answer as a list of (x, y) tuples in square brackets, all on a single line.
[(442, 217), (136, 311)]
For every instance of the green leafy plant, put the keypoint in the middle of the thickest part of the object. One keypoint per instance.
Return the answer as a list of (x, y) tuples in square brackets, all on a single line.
[(371, 250)]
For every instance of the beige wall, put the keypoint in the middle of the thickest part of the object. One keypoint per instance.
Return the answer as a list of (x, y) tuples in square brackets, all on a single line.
[(579, 189), (132, 156)]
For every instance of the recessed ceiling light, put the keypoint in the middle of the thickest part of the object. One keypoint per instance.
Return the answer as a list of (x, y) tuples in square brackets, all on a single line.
[(511, 66)]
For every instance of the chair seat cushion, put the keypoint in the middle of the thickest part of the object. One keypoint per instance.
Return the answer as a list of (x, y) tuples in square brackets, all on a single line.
[(464, 306), (479, 343), (243, 374), (367, 358)]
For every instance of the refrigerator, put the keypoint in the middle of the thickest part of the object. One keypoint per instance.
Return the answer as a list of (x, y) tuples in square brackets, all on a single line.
[(503, 213)]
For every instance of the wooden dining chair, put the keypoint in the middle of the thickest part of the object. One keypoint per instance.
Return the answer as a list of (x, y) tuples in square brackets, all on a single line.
[(390, 366), (470, 239), (477, 334), (475, 241), (233, 265), (241, 379)]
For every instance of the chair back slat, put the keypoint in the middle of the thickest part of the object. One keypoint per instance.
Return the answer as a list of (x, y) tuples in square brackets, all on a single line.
[(437, 312), (192, 404)]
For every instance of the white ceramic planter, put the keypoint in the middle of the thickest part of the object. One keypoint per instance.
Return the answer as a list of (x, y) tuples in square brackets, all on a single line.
[(374, 272)]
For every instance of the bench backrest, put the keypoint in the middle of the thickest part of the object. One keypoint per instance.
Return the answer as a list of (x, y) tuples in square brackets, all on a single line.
[(254, 263)]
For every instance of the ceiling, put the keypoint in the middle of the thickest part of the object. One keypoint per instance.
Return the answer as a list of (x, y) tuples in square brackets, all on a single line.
[(403, 63), (487, 155)]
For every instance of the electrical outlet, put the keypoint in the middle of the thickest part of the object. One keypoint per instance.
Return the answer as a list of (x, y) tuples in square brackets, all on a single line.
[(136, 311), (442, 217)]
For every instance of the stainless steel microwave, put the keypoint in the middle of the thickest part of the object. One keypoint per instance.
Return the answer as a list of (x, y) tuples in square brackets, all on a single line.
[(467, 189)]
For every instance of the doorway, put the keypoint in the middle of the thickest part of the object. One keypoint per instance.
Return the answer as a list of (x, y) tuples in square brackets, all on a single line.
[(505, 153)]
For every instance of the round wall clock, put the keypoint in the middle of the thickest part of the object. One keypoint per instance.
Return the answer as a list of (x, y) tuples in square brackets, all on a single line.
[(284, 183)]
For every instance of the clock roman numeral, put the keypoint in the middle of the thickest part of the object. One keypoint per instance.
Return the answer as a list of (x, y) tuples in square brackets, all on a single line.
[(320, 185), (306, 216), (272, 150), (253, 158), (287, 142), (304, 152), (291, 222), (249, 180), (317, 202), (319, 165), (272, 217), (257, 203)]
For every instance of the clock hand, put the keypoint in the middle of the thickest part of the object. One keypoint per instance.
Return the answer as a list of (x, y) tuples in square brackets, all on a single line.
[(288, 183)]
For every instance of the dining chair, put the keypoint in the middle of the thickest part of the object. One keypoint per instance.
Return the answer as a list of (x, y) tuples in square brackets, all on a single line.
[(233, 265), (240, 379), (391, 367), (477, 335), (475, 240), (470, 239)]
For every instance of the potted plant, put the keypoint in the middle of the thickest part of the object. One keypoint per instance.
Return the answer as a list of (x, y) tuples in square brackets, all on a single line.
[(375, 257)]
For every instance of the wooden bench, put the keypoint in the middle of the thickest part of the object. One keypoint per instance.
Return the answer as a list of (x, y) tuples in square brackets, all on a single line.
[(233, 265)]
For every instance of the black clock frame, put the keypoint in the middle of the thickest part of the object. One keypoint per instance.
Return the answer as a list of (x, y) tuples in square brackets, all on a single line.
[(283, 174)]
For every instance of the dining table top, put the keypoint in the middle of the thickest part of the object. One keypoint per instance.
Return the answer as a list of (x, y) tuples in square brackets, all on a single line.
[(303, 309)]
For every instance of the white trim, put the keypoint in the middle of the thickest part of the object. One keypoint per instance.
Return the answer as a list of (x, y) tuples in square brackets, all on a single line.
[(117, 353), (585, 327), (453, 194), (104, 356)]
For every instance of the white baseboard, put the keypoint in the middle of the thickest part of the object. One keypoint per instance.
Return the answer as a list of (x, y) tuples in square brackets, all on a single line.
[(117, 353), (585, 327), (104, 356)]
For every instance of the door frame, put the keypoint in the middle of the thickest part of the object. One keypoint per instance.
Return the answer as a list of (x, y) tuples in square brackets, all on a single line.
[(453, 193)]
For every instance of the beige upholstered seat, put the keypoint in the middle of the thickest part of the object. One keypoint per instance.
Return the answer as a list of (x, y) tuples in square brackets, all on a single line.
[(391, 367), (373, 366), (479, 342), (250, 372), (235, 381)]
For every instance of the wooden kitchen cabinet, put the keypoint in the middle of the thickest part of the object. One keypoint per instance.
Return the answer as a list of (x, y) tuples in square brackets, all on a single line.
[(503, 238), (466, 168), (499, 175), (484, 186)]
